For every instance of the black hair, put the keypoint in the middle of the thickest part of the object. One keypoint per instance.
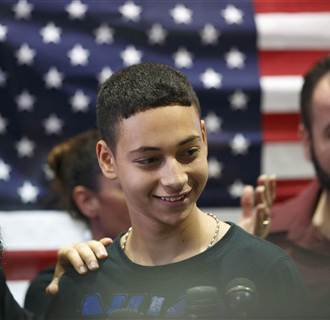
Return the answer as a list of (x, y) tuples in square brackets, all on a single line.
[(74, 162), (138, 88), (311, 79)]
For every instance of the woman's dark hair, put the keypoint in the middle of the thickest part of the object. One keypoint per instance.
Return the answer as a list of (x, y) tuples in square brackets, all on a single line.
[(74, 162)]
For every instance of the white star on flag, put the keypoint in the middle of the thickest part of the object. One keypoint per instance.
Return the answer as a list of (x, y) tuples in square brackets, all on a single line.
[(25, 101), (79, 101), (53, 78), (211, 79), (22, 9), (53, 124), (50, 33), (3, 78), (214, 168), (76, 9), (78, 55), (25, 147), (28, 192), (25, 54), (235, 59), (232, 15), (209, 35), (238, 100), (239, 144), (183, 58), (131, 56), (4, 170), (157, 34), (236, 189), (3, 124), (212, 122), (104, 34), (105, 73), (3, 32), (181, 14), (130, 11)]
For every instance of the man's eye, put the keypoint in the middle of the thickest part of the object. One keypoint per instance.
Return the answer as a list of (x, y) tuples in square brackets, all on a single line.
[(192, 151), (147, 161), (190, 154)]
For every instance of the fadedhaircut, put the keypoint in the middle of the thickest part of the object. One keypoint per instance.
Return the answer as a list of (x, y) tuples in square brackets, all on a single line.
[(74, 163), (138, 88), (311, 79)]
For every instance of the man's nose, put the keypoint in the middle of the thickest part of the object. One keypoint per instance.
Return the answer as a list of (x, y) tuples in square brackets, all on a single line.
[(174, 175)]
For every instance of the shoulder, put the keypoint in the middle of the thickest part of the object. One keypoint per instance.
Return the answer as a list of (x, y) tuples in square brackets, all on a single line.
[(44, 276), (36, 299), (71, 280), (287, 212), (248, 248)]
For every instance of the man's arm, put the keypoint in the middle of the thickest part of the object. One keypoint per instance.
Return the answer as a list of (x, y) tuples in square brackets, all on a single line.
[(82, 256)]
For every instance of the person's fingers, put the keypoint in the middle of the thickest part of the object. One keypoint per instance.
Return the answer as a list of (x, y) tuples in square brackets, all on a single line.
[(53, 287), (264, 180), (86, 252), (106, 241), (260, 195), (98, 247), (263, 221), (247, 201), (69, 256), (269, 182), (262, 202)]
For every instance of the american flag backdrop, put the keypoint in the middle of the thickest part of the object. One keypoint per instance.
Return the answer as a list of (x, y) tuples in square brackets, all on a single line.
[(244, 58)]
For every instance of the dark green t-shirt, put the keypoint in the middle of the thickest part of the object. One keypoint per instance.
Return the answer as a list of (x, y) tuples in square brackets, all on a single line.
[(160, 291)]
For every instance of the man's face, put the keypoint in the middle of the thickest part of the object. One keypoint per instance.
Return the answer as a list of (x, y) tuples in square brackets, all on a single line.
[(319, 141), (161, 163)]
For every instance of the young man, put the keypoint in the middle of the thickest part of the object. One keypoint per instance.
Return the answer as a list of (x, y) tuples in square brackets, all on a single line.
[(87, 195), (154, 143)]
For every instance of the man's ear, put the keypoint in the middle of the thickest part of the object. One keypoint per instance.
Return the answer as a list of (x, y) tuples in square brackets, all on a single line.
[(204, 133), (86, 201), (106, 159), (307, 141)]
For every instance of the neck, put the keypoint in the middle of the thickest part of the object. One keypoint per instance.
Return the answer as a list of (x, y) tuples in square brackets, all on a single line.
[(158, 244), (97, 230), (321, 217)]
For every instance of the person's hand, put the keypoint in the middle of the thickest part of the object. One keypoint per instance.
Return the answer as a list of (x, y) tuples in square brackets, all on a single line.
[(82, 256), (256, 206)]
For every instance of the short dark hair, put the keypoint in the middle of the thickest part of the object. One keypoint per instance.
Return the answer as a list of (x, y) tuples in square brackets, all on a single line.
[(138, 88), (311, 79), (74, 162)]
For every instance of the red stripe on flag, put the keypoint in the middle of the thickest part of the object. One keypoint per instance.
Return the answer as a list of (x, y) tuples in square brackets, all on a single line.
[(273, 63), (24, 265), (279, 127), (272, 6), (286, 189)]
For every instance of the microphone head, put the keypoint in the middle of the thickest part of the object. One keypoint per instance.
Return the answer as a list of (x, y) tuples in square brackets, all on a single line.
[(241, 297), (202, 301)]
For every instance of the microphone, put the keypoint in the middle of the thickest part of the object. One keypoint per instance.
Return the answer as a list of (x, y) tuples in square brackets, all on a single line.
[(241, 297), (202, 302)]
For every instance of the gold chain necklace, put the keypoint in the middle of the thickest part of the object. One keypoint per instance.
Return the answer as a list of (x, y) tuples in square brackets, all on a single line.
[(211, 243)]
